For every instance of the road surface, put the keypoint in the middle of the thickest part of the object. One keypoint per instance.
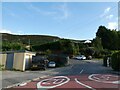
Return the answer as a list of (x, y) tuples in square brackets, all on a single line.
[(88, 75)]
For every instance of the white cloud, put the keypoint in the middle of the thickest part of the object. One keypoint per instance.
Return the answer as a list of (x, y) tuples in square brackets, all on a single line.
[(12, 14), (31, 6), (10, 11), (112, 25), (5, 31), (57, 12), (62, 10), (40, 11), (109, 16), (10, 32), (106, 11), (116, 18), (65, 11)]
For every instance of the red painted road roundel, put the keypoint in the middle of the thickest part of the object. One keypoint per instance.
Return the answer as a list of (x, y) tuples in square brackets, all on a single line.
[(53, 82), (87, 82), (105, 78)]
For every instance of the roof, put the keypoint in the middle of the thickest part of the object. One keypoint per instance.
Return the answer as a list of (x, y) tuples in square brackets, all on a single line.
[(87, 41)]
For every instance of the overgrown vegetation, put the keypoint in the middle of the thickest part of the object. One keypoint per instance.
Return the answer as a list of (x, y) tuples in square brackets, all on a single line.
[(105, 43), (110, 39), (7, 46), (20, 42), (1, 67), (63, 46), (115, 61), (60, 60)]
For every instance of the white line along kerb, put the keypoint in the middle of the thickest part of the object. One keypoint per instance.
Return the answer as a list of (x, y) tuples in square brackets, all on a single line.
[(104, 78), (56, 81), (22, 84)]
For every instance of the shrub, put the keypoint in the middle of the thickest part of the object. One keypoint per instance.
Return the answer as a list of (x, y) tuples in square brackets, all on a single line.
[(2, 67), (98, 54), (115, 62)]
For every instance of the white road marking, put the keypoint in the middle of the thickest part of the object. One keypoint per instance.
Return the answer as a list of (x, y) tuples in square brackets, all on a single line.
[(116, 82), (53, 79), (97, 78), (81, 71), (105, 78), (84, 84), (23, 84), (44, 76), (56, 81)]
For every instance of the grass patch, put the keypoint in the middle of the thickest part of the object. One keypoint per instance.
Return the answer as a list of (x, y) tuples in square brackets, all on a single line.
[(2, 67)]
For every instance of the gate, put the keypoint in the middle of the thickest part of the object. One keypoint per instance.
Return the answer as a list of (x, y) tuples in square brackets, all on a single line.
[(9, 61)]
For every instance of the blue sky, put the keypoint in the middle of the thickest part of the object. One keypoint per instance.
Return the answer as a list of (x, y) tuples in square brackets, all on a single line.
[(73, 20)]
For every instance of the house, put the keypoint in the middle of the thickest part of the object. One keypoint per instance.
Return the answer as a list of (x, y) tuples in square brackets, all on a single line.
[(18, 60), (88, 41)]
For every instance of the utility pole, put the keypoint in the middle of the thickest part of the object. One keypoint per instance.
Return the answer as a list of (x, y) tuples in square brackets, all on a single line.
[(29, 43)]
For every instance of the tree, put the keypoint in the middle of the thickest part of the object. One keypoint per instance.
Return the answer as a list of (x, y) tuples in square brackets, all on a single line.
[(115, 62), (7, 46), (118, 40), (109, 38), (114, 40), (97, 43), (103, 34)]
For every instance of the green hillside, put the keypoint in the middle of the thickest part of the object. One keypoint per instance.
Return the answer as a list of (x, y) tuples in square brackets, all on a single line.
[(28, 39), (11, 42)]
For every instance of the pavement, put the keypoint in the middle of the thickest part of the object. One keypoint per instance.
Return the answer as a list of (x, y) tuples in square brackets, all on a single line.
[(86, 74)]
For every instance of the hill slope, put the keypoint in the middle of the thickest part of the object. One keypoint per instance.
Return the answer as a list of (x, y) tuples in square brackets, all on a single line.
[(26, 39)]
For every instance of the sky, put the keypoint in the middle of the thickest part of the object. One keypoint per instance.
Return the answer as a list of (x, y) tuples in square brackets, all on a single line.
[(71, 20)]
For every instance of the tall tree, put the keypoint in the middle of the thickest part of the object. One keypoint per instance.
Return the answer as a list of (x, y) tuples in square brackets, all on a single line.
[(110, 38), (97, 43)]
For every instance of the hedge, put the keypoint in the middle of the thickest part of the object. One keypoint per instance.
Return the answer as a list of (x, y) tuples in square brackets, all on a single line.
[(115, 62)]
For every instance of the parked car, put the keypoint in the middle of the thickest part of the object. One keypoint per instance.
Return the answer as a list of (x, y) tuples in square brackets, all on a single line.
[(51, 64), (39, 62), (81, 57)]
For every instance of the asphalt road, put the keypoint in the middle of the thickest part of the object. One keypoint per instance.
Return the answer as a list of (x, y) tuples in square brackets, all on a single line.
[(74, 69), (79, 67)]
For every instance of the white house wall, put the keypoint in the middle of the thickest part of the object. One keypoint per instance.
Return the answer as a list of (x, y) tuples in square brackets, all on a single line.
[(19, 63), (3, 58)]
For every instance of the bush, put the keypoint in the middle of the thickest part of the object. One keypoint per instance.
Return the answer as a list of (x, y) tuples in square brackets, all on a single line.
[(98, 54), (60, 60), (115, 62), (2, 67)]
